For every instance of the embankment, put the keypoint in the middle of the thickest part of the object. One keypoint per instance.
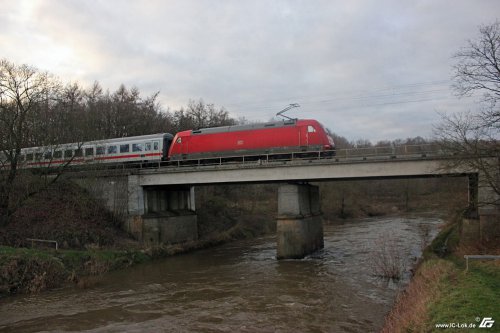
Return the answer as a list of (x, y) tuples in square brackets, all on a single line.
[(443, 294)]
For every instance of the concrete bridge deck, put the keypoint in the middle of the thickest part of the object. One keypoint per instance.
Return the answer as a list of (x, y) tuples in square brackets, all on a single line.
[(296, 170)]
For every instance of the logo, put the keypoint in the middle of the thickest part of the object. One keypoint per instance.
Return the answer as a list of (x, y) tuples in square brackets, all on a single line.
[(487, 322)]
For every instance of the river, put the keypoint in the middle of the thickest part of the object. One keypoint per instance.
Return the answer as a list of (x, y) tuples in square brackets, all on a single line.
[(238, 287)]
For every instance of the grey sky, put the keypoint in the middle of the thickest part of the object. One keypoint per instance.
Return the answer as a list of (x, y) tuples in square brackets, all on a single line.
[(365, 69)]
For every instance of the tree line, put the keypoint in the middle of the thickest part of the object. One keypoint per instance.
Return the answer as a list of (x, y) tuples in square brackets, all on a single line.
[(37, 109), (344, 143)]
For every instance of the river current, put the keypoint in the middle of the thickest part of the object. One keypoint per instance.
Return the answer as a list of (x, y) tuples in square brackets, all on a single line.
[(238, 287)]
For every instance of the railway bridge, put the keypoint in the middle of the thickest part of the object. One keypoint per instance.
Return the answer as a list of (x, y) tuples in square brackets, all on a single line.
[(160, 204)]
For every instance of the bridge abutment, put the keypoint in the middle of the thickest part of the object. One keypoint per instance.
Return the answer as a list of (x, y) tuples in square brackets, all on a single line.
[(161, 214), (169, 215), (299, 222)]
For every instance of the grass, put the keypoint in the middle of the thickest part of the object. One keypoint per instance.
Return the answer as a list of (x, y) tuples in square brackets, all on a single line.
[(442, 292), (34, 270), (466, 296)]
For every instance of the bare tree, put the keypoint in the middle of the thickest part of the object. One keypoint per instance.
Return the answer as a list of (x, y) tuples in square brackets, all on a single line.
[(200, 115), (340, 141), (206, 115), (478, 66), (474, 146), (25, 98), (473, 137)]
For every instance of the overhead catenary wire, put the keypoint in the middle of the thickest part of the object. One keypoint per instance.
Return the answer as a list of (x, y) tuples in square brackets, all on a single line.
[(417, 92), (343, 95)]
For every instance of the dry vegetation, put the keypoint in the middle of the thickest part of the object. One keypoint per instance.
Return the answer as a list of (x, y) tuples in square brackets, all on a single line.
[(386, 260), (410, 311), (67, 214)]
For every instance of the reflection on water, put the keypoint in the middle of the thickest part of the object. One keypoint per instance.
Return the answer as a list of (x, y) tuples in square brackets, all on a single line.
[(235, 287)]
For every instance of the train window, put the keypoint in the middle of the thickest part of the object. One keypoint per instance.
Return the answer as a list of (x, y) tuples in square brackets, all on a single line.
[(68, 153), (38, 156), (148, 146), (100, 150), (311, 129), (20, 158), (58, 154), (47, 155), (89, 151), (156, 145), (78, 152), (137, 147), (124, 148), (179, 140), (29, 157), (112, 150)]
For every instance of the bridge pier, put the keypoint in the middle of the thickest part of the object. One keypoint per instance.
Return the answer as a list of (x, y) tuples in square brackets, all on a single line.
[(482, 223), (489, 213), (299, 223)]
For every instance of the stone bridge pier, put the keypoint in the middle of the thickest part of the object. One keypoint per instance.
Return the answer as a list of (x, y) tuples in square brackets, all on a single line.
[(482, 221), (161, 214), (488, 209), (299, 222)]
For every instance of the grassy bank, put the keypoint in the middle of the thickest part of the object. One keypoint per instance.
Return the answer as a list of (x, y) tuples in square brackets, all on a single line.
[(442, 293), (25, 270), (31, 270)]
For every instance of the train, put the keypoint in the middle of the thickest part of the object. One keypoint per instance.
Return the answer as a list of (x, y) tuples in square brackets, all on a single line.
[(272, 138), (305, 137)]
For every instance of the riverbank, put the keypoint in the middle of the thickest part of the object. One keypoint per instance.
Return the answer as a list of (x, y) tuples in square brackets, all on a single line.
[(31, 270), (234, 287), (443, 294), (91, 241)]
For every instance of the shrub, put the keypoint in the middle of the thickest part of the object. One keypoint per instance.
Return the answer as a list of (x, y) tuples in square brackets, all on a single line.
[(387, 260)]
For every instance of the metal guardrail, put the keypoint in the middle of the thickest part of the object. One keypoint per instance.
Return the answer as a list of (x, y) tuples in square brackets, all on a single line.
[(351, 154), (478, 257), (33, 241), (404, 150)]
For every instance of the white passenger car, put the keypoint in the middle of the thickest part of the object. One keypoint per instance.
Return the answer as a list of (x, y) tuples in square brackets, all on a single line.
[(144, 148)]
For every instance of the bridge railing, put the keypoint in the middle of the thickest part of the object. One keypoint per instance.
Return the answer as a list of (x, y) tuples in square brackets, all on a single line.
[(391, 151), (365, 153)]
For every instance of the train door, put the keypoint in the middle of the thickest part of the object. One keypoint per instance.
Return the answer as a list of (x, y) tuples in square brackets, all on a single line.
[(182, 145), (167, 141)]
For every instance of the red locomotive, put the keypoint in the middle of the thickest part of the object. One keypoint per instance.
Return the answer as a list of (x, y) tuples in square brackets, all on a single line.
[(293, 135)]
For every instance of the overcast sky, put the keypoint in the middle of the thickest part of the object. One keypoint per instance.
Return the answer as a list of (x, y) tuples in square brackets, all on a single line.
[(365, 69)]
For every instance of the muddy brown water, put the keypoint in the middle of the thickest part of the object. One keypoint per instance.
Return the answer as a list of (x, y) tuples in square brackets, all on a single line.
[(237, 287)]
